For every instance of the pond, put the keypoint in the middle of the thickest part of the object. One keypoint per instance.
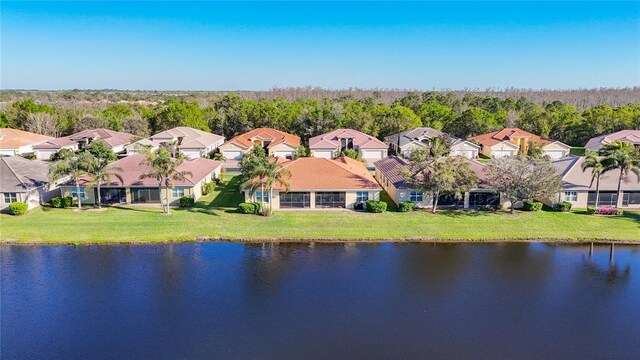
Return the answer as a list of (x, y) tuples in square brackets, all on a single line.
[(306, 301)]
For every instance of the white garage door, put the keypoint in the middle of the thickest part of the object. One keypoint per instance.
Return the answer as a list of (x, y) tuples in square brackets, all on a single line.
[(502, 153), (469, 154), (325, 154), (556, 154), (372, 154), (283, 154), (232, 155)]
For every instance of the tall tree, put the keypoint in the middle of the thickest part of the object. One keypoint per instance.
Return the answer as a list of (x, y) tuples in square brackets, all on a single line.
[(74, 167), (275, 174), (598, 166), (520, 179), (42, 123), (179, 113), (164, 169), (437, 176), (624, 157), (102, 171)]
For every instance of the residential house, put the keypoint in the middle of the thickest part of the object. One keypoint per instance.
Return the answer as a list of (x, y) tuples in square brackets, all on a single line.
[(114, 139), (134, 189), (17, 142), (319, 183), (580, 191), (404, 142), (330, 145), (25, 181), (513, 141), (629, 136), (389, 175), (193, 143), (274, 142)]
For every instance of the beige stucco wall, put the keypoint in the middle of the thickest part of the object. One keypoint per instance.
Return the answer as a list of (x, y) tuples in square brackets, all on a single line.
[(488, 151), (281, 147), (350, 197), (557, 147)]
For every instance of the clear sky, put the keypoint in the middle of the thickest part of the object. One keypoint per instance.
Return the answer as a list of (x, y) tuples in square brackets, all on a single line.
[(256, 46)]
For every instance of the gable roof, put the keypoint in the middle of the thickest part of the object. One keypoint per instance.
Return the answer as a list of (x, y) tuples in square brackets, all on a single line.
[(573, 178), (414, 135), (331, 140), (18, 174), (110, 137), (132, 170), (14, 138), (392, 166), (276, 137), (507, 135), (630, 136), (342, 173), (191, 138)]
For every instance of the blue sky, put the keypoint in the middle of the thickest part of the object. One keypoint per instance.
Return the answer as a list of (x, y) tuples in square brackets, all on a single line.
[(255, 46)]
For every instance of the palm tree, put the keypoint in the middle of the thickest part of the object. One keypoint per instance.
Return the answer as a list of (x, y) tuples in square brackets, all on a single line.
[(72, 166), (624, 157), (275, 174), (164, 168), (598, 167), (255, 173), (100, 172)]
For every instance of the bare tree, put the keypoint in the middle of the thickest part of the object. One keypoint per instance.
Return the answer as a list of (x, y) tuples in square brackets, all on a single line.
[(42, 123)]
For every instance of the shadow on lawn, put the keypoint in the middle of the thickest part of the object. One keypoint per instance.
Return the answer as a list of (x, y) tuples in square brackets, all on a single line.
[(227, 198)]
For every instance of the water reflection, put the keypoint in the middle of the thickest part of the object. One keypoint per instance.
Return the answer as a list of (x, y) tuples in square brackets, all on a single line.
[(223, 300)]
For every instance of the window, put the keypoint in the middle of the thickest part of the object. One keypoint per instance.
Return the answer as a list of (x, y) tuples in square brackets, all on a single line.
[(570, 196), (177, 191), (330, 200), (295, 200), (260, 197), (74, 193), (416, 196), (10, 197), (362, 196)]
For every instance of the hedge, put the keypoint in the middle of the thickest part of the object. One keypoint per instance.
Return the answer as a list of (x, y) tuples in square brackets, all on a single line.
[(374, 206), (406, 206), (564, 206), (187, 201), (62, 202), (609, 211), (18, 208), (532, 206), (250, 208)]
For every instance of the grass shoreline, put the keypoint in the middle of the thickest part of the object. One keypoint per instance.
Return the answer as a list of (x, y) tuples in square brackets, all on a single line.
[(215, 218)]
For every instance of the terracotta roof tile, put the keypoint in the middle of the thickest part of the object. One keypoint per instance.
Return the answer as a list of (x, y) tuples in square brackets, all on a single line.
[(332, 140), (495, 137), (276, 136), (14, 138), (110, 137)]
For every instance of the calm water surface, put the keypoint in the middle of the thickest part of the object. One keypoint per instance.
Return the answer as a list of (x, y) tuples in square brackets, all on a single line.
[(393, 301)]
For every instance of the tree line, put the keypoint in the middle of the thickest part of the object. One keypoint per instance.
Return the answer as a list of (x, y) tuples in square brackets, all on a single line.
[(232, 114)]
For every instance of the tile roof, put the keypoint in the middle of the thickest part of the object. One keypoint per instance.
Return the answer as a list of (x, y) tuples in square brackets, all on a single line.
[(331, 140), (507, 134), (191, 138), (110, 137), (132, 170), (574, 178), (391, 168), (276, 137), (630, 136), (14, 138), (413, 135), (342, 173), (18, 174)]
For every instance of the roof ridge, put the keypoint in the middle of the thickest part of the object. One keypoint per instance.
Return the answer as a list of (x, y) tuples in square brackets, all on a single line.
[(13, 172)]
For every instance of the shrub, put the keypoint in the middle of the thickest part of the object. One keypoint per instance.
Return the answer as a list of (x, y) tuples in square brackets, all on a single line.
[(406, 206), (67, 201), (258, 206), (608, 211), (18, 208), (187, 201), (374, 206), (247, 208), (532, 206), (56, 202), (208, 188), (564, 206)]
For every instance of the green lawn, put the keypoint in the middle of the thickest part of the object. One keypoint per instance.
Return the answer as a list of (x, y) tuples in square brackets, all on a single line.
[(215, 217)]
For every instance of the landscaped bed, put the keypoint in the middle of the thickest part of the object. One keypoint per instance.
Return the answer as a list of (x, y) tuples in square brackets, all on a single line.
[(215, 217)]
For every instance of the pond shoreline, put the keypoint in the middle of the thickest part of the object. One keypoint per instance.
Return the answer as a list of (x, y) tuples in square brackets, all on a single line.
[(323, 241)]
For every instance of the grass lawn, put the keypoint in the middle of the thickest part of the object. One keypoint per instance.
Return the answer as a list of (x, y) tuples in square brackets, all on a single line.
[(215, 217)]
